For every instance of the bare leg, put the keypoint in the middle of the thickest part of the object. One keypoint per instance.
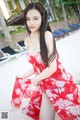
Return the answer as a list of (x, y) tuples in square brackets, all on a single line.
[(56, 117), (46, 110), (28, 118)]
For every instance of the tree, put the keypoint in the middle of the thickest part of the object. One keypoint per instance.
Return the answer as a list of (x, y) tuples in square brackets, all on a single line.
[(64, 14), (65, 9), (50, 9), (76, 8), (60, 4), (4, 29)]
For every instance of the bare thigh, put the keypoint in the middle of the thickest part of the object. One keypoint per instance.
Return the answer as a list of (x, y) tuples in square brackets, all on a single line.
[(26, 117), (46, 110), (56, 117)]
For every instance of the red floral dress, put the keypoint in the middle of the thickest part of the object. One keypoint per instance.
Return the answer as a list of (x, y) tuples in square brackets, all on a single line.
[(59, 87)]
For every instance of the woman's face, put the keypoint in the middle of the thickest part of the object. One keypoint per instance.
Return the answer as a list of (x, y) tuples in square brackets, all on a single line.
[(33, 20)]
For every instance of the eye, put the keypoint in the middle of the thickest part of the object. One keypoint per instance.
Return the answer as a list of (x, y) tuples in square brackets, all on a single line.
[(27, 19), (35, 18)]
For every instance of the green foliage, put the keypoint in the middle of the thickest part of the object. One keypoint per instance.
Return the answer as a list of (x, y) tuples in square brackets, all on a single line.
[(68, 2), (1, 35), (18, 30), (70, 7), (51, 23)]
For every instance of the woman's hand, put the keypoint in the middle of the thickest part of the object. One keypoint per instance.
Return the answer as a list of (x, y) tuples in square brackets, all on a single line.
[(35, 81), (19, 76)]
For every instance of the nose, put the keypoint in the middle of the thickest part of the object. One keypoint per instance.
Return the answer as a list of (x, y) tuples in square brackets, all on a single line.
[(31, 22)]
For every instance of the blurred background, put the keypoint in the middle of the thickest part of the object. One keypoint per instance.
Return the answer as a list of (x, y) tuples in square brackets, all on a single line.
[(61, 13), (64, 19)]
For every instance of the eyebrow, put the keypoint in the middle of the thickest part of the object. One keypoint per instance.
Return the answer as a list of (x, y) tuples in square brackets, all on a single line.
[(33, 17)]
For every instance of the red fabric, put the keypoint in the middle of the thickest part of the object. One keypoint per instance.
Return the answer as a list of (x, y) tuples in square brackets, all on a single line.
[(59, 87)]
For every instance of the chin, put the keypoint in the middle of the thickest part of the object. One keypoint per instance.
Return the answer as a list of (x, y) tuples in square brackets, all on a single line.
[(34, 30)]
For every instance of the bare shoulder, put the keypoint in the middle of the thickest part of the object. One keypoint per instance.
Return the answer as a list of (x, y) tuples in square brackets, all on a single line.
[(48, 37), (26, 42)]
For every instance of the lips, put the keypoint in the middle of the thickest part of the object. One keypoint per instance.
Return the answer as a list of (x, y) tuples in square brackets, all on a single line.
[(31, 27)]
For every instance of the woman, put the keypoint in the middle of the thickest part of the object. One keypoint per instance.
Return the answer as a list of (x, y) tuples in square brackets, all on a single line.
[(52, 88)]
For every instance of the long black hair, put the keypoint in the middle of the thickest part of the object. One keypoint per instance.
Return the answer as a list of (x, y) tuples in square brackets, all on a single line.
[(44, 27)]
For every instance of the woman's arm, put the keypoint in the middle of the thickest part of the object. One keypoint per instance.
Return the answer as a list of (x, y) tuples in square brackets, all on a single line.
[(30, 71), (27, 74), (47, 72)]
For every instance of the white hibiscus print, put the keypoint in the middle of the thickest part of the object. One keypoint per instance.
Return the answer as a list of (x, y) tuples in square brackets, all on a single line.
[(61, 103), (25, 111), (66, 76), (17, 100), (18, 91), (60, 85), (74, 110), (38, 58), (22, 84), (70, 96), (50, 94)]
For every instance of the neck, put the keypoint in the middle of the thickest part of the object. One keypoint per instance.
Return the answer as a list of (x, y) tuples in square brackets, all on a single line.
[(35, 35)]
